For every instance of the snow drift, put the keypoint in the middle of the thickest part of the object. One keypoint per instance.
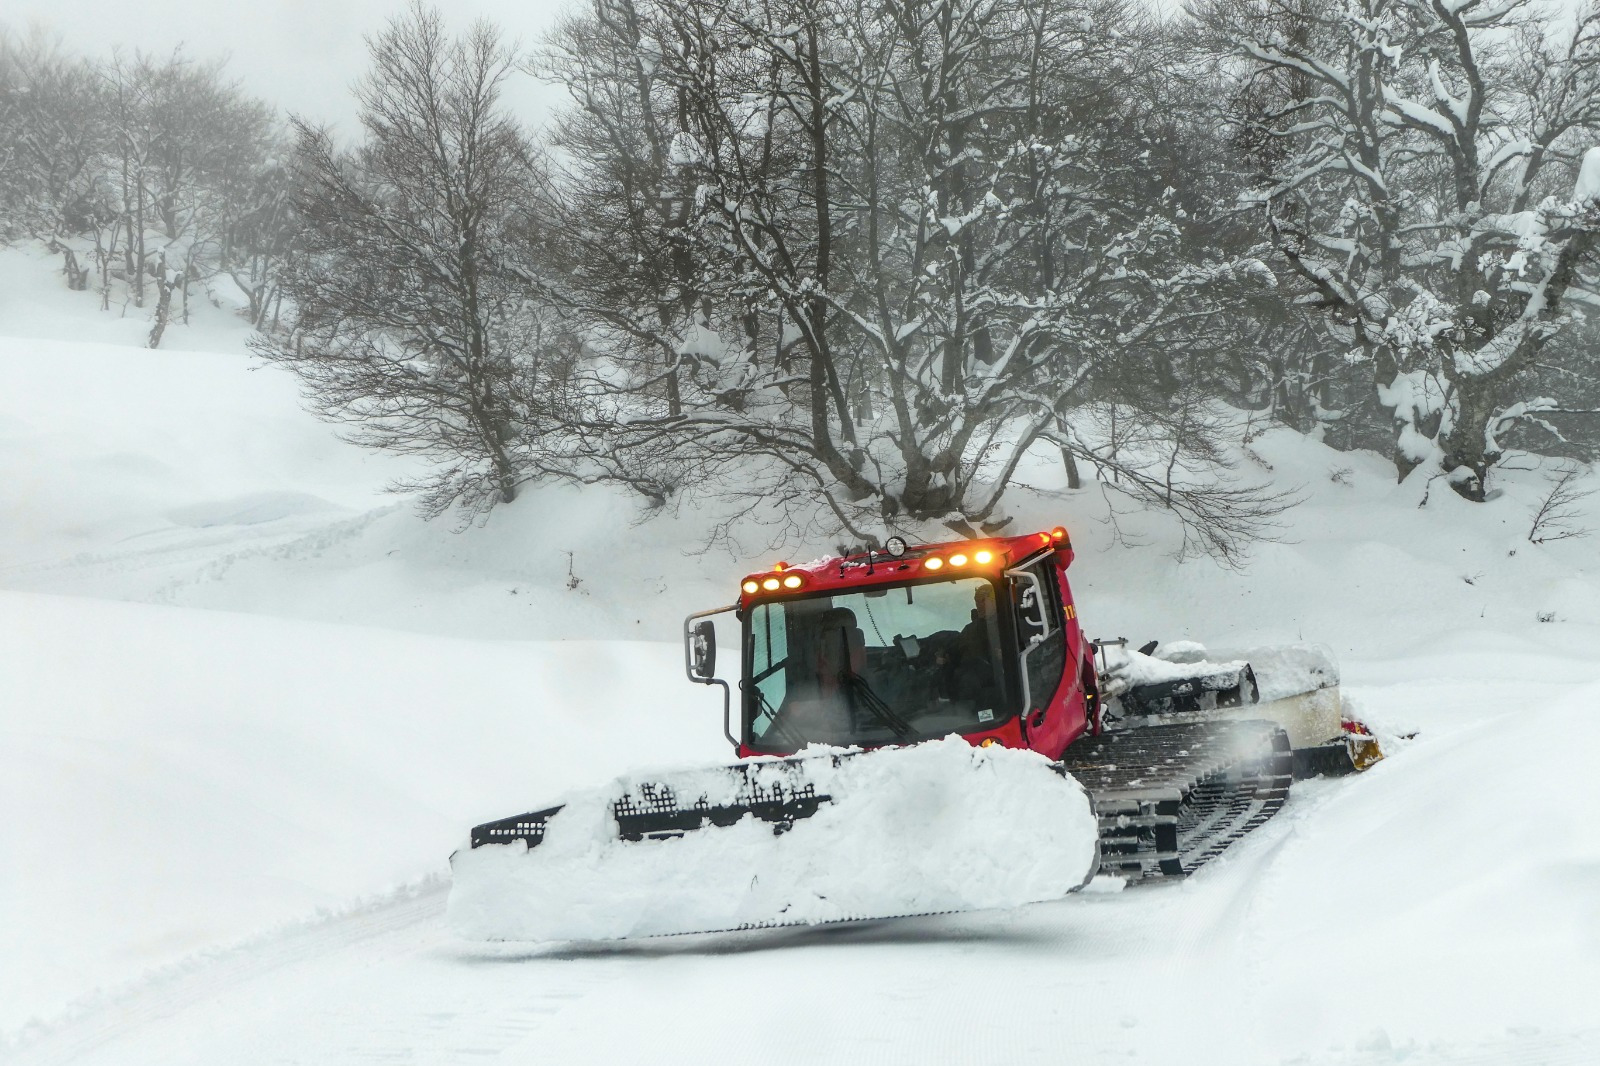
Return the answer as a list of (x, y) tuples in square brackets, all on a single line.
[(941, 826)]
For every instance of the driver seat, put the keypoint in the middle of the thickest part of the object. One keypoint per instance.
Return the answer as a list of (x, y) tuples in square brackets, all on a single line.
[(841, 647)]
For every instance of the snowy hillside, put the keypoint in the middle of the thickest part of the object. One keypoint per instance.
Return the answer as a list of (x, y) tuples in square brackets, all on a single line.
[(249, 703)]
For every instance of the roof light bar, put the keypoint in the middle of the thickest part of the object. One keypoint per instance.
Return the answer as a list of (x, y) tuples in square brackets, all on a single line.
[(772, 582)]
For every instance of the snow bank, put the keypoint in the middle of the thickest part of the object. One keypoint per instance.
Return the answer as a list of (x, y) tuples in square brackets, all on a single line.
[(1453, 887), (941, 826), (165, 448), (196, 479), (36, 303), (177, 780)]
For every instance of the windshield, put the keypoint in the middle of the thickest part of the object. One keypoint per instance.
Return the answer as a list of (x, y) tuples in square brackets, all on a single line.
[(874, 667)]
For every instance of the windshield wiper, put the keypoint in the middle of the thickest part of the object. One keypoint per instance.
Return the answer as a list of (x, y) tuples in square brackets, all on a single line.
[(874, 703), (777, 725)]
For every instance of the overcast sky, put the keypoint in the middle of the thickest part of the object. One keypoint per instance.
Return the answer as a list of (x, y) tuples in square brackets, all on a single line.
[(301, 55)]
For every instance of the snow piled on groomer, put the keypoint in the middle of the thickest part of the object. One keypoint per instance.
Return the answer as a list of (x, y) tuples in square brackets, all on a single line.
[(942, 826)]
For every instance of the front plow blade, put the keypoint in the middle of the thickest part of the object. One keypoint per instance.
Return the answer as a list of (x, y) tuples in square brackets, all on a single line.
[(937, 827)]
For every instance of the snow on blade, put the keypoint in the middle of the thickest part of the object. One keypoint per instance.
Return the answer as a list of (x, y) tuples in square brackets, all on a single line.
[(941, 826), (1281, 670), (1284, 670)]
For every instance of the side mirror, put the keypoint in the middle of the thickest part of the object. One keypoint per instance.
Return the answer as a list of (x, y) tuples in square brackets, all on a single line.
[(703, 649)]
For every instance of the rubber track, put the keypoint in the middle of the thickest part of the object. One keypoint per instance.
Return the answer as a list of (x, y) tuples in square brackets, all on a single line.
[(1171, 798)]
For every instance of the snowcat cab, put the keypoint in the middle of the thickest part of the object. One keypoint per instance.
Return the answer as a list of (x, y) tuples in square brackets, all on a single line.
[(902, 645)]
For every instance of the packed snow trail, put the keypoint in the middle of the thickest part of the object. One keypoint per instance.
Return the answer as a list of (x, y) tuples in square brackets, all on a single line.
[(1317, 939)]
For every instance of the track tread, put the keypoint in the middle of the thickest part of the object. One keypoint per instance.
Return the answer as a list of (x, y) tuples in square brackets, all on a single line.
[(1171, 798)]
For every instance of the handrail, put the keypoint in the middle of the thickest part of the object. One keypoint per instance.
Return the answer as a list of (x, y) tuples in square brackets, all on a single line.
[(1020, 572)]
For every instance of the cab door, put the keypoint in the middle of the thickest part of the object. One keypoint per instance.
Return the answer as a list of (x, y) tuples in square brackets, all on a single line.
[(1053, 712)]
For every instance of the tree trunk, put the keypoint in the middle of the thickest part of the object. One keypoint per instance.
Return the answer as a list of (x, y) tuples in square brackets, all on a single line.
[(504, 475), (165, 285), (136, 245), (1070, 461), (77, 277), (1467, 445)]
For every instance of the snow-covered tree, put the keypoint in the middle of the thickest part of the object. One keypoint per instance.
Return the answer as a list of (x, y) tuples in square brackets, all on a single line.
[(182, 139), (869, 253), (1421, 191), (136, 170), (408, 291), (53, 141)]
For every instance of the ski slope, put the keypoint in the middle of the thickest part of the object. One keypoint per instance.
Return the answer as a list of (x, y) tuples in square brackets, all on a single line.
[(1346, 931), (249, 704)]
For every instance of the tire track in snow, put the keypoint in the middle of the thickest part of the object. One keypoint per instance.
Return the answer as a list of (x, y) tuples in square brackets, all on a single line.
[(167, 994), (306, 544), (384, 984)]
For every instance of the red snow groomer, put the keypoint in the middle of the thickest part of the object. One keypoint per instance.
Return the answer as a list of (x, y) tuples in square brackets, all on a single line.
[(855, 799)]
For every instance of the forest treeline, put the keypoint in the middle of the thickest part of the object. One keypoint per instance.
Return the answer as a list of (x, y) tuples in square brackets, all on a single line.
[(846, 261)]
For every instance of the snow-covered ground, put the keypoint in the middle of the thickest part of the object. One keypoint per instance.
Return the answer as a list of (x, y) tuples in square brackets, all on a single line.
[(249, 704)]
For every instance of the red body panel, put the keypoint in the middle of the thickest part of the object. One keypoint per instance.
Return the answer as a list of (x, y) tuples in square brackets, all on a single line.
[(1050, 730)]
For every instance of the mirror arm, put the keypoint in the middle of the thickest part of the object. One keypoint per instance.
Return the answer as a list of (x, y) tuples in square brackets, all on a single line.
[(688, 667)]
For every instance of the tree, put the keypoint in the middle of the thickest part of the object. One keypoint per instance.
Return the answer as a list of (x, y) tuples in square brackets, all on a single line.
[(408, 289), (256, 230), (52, 179), (868, 254), (1421, 195), (184, 144)]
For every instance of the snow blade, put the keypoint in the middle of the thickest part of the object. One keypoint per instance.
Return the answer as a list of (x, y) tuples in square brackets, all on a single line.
[(837, 836)]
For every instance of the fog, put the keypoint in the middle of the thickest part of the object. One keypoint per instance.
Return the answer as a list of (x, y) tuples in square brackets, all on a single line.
[(299, 55)]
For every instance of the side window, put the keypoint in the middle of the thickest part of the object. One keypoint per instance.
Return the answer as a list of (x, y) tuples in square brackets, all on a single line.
[(1042, 632), (769, 645)]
